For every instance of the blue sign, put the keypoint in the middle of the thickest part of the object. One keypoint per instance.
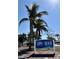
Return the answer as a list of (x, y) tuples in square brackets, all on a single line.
[(44, 44)]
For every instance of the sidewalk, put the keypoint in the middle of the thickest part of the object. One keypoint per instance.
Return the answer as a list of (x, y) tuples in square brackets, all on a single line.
[(57, 53)]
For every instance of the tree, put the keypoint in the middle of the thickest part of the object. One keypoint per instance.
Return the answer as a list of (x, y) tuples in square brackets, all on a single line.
[(51, 37), (58, 36), (40, 26), (32, 16), (21, 38)]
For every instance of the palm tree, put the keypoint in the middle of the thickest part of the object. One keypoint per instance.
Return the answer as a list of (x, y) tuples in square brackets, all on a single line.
[(32, 15), (51, 37), (58, 36), (40, 26)]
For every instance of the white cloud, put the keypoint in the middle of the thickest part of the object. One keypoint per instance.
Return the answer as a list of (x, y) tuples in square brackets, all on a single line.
[(54, 3)]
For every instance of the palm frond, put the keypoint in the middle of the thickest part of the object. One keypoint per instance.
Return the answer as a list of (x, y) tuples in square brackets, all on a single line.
[(43, 22), (35, 7), (44, 28), (42, 13), (22, 20), (28, 9)]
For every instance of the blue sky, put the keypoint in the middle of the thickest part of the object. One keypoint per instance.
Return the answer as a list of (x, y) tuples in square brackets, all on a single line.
[(52, 19)]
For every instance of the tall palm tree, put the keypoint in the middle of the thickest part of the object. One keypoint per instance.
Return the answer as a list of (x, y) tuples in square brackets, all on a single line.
[(32, 15), (40, 26)]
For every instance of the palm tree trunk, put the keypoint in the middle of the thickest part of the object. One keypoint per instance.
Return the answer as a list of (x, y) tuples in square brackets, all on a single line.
[(31, 33), (37, 34)]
